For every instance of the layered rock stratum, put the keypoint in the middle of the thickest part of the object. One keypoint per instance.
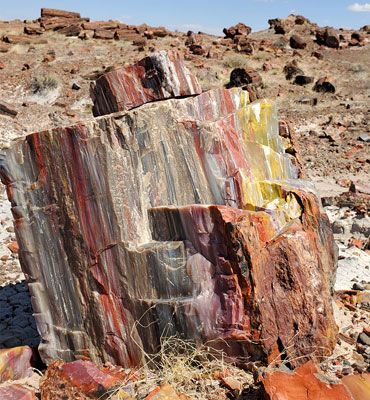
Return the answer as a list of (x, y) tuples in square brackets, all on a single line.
[(180, 217)]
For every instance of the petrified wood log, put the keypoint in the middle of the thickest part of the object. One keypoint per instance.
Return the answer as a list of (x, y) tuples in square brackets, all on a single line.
[(158, 77), (52, 12), (184, 216)]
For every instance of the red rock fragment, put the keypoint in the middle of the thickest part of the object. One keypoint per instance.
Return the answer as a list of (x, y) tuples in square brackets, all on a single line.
[(160, 76), (17, 392), (15, 363), (88, 375), (164, 392), (77, 378), (356, 243), (13, 247), (305, 383)]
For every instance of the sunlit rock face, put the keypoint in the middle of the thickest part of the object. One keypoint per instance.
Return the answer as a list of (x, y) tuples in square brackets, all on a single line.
[(157, 77), (185, 217)]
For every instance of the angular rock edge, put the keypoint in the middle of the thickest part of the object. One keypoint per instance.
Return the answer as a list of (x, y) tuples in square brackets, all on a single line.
[(157, 77)]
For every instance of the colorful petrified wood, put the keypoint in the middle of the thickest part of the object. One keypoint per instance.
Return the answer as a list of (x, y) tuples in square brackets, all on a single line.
[(157, 77), (15, 363), (184, 216)]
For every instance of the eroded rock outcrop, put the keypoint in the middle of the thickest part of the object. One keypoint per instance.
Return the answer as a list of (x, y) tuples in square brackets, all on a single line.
[(181, 217)]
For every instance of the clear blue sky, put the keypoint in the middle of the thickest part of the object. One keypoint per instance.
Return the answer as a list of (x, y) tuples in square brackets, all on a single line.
[(205, 15)]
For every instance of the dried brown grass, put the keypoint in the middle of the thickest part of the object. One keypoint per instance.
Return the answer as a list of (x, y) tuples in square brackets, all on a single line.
[(190, 368)]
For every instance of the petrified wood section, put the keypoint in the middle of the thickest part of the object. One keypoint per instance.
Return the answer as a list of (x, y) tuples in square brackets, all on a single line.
[(119, 243), (157, 77), (52, 12)]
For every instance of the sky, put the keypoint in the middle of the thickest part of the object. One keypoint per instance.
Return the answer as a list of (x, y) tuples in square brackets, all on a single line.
[(209, 16)]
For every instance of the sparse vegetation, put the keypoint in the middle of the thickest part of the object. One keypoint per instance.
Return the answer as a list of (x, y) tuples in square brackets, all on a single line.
[(43, 83), (193, 370), (235, 61)]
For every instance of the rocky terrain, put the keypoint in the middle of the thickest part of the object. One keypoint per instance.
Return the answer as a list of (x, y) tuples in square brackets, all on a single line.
[(319, 78)]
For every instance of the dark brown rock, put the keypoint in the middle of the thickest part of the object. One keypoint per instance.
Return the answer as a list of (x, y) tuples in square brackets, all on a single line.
[(238, 29), (142, 41), (33, 30), (280, 28), (357, 36), (100, 25), (303, 80), (60, 23), (197, 49), (7, 109), (71, 30), (245, 46), (193, 38), (291, 69), (16, 39), (301, 20), (328, 38), (324, 85), (244, 76), (159, 32), (103, 34), (317, 55), (331, 39), (126, 34), (297, 42)]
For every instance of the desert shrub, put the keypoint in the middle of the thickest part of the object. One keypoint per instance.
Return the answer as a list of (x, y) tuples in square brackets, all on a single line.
[(235, 61), (43, 83)]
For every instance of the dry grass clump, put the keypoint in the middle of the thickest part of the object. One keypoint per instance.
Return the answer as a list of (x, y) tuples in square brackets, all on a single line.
[(235, 61), (43, 83), (190, 369)]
